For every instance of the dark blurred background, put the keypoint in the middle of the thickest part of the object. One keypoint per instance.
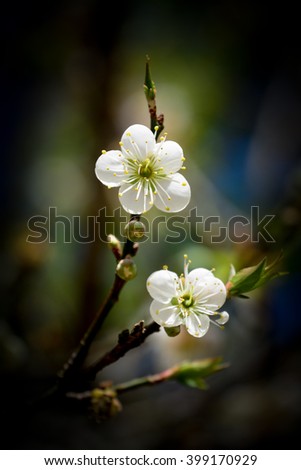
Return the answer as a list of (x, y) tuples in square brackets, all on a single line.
[(228, 82)]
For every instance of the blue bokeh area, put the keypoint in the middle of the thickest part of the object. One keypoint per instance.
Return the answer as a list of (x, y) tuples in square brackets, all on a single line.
[(228, 83)]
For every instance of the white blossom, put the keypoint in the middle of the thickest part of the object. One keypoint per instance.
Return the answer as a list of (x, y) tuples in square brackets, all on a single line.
[(191, 300), (145, 171)]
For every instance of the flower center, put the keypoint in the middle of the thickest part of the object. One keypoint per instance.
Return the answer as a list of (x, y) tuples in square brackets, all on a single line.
[(145, 169), (187, 300)]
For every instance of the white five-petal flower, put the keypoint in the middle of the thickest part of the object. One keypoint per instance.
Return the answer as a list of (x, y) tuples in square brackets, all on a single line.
[(146, 171), (191, 300)]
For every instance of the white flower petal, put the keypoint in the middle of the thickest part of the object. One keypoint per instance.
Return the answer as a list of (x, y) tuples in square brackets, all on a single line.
[(165, 315), (173, 193), (210, 293), (170, 156), (109, 168), (197, 325), (162, 285), (133, 198), (224, 317), (138, 141), (199, 275)]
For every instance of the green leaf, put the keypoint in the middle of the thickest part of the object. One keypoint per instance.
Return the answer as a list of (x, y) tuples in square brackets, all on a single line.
[(246, 279), (149, 85), (232, 272), (251, 278), (193, 374), (156, 122)]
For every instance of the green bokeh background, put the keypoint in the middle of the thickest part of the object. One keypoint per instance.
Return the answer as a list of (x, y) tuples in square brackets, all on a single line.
[(227, 77)]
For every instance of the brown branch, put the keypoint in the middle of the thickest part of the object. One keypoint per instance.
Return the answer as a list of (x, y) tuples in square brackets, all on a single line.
[(74, 363), (77, 358), (126, 341)]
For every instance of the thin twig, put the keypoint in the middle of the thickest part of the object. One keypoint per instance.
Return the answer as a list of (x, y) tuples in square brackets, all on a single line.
[(126, 341), (77, 358), (147, 380)]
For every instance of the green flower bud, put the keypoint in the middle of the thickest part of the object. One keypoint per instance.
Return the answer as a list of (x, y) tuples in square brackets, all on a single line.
[(134, 230), (113, 241), (104, 403), (126, 269), (173, 331), (115, 246)]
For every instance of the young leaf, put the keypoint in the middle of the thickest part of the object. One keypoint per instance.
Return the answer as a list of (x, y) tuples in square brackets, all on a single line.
[(246, 279), (251, 278), (193, 374)]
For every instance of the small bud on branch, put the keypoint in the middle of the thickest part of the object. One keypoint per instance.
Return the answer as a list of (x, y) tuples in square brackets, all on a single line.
[(115, 246), (126, 269), (156, 122)]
